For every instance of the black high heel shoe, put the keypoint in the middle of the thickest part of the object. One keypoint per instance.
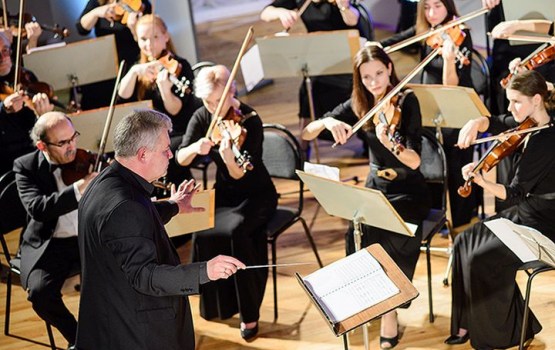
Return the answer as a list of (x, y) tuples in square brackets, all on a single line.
[(457, 339), (250, 333), (389, 343)]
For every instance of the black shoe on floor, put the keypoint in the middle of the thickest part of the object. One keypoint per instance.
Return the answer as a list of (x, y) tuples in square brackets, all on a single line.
[(389, 343), (457, 339), (249, 334)]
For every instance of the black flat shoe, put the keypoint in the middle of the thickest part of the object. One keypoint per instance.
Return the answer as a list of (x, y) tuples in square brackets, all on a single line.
[(457, 339), (389, 343), (249, 334)]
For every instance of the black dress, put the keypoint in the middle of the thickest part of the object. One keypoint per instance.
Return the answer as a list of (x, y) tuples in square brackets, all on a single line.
[(98, 95), (190, 103), (14, 131), (407, 193), (330, 90), (462, 209), (486, 297), (243, 207)]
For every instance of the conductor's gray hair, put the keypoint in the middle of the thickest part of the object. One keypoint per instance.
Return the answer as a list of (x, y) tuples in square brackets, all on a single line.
[(139, 129)]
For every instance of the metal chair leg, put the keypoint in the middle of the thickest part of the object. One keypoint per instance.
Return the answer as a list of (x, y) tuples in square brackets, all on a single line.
[(8, 303), (429, 268), (51, 336), (274, 277), (526, 307)]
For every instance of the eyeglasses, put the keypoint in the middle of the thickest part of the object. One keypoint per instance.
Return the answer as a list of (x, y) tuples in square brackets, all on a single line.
[(6, 52), (64, 143)]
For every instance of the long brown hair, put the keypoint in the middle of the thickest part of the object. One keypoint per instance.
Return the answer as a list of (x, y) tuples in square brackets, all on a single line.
[(529, 83), (362, 100), (158, 24), (422, 23)]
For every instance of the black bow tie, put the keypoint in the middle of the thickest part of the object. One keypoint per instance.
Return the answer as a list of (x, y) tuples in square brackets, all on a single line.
[(53, 167)]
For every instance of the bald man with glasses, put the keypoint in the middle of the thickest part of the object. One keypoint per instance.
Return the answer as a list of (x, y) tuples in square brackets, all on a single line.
[(49, 249)]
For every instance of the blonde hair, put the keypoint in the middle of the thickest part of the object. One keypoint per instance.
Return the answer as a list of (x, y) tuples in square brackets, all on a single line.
[(211, 77)]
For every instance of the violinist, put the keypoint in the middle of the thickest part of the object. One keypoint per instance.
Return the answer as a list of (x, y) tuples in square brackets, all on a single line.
[(323, 15), (446, 70), (487, 304), (49, 250), (392, 171), (149, 79), (18, 112), (245, 202), (100, 15)]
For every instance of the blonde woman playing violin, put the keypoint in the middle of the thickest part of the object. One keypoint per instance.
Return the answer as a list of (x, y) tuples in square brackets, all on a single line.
[(148, 79), (393, 170)]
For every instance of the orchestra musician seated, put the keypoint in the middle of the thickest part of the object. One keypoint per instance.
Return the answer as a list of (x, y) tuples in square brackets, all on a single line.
[(49, 250), (18, 112), (487, 304), (245, 199)]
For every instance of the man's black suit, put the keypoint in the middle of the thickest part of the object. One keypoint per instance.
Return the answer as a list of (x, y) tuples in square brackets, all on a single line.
[(46, 261), (134, 289)]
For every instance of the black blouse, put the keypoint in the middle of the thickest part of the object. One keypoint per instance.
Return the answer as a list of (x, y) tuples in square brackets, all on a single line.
[(255, 183)]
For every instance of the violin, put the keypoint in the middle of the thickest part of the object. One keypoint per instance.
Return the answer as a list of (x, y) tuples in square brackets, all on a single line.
[(543, 55), (12, 21), (498, 150), (79, 168), (123, 8), (231, 125), (457, 36), (168, 62), (392, 122)]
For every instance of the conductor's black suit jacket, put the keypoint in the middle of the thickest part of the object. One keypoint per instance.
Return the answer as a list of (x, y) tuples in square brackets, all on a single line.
[(134, 289), (44, 204)]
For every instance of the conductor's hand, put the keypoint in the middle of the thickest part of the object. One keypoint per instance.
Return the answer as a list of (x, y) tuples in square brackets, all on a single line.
[(222, 266), (183, 195), (469, 131), (341, 131), (287, 17)]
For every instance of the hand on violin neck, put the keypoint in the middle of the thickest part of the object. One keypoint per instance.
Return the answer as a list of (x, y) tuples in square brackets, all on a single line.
[(469, 172), (382, 133), (41, 104)]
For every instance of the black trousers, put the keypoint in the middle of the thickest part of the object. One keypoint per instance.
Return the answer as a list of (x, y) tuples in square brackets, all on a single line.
[(45, 282)]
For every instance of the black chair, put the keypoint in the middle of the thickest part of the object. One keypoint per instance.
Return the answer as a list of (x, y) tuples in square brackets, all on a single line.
[(433, 166), (480, 74), (532, 269), (12, 217), (282, 156)]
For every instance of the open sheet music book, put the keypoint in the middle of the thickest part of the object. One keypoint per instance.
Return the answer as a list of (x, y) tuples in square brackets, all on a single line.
[(357, 288), (527, 243), (349, 285)]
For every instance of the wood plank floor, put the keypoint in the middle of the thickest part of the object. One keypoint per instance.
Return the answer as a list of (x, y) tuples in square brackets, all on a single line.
[(299, 325)]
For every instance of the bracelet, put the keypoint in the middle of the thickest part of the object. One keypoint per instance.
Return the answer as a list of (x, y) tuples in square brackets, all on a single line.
[(343, 8)]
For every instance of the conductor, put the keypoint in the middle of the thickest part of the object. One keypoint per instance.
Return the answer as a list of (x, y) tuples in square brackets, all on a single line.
[(134, 288)]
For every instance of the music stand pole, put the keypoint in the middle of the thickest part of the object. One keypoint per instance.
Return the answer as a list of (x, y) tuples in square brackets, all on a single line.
[(308, 86), (357, 239)]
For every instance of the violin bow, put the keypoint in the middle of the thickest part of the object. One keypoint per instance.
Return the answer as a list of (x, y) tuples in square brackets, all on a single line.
[(18, 47), (392, 93), (109, 117), (301, 10), (232, 74), (419, 37), (5, 15), (508, 134)]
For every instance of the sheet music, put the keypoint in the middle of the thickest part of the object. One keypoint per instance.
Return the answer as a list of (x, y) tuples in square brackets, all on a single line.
[(322, 170), (350, 285), (527, 243)]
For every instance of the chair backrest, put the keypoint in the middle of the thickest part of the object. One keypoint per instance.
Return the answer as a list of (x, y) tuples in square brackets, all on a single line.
[(480, 74), (12, 212), (365, 24), (282, 155), (433, 164)]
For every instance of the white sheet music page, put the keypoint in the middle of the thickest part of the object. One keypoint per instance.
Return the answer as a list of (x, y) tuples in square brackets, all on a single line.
[(351, 285), (527, 243)]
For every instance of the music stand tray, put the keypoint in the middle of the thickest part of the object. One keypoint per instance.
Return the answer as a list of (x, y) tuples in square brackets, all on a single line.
[(407, 292), (87, 61), (448, 106)]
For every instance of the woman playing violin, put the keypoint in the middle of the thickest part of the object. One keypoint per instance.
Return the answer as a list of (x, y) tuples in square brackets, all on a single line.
[(446, 70), (100, 15), (487, 304), (148, 79), (245, 201), (395, 173), (18, 112)]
